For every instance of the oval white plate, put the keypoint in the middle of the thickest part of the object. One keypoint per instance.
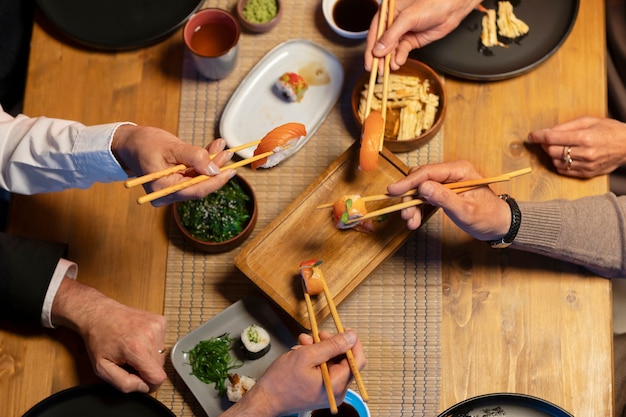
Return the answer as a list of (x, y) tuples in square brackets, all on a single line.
[(255, 108)]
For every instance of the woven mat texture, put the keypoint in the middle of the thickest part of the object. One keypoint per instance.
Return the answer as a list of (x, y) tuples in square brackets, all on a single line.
[(397, 310)]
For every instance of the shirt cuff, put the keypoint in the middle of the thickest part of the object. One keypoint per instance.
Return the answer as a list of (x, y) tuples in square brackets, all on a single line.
[(64, 269), (92, 162)]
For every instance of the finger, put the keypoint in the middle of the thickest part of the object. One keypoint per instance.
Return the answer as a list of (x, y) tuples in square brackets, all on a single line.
[(198, 191), (557, 137), (120, 378), (332, 347), (305, 339)]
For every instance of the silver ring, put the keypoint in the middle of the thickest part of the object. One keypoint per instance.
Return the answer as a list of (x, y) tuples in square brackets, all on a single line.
[(567, 158), (161, 351)]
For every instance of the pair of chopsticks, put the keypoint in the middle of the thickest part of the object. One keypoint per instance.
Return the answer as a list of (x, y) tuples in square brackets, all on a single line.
[(457, 187), (385, 20), (195, 180), (316, 338)]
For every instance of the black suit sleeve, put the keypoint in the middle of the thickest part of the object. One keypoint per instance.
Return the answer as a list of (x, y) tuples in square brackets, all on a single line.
[(26, 268)]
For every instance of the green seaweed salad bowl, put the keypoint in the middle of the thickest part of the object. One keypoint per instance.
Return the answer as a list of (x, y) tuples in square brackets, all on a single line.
[(222, 220)]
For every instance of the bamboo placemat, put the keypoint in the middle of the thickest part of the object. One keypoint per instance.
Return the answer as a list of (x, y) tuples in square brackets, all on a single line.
[(396, 311)]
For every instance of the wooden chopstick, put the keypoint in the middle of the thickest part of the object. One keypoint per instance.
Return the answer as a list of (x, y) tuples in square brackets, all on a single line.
[(324, 366), (386, 71), (450, 185), (133, 182), (457, 187), (349, 355), (197, 179), (374, 73)]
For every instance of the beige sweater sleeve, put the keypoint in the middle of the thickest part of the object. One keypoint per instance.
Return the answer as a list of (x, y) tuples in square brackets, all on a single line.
[(590, 231)]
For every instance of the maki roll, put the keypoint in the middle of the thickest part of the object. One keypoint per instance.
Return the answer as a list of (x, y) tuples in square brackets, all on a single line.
[(255, 341), (291, 86)]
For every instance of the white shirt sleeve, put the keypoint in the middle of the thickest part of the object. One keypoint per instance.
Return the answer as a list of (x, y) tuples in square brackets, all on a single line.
[(64, 269), (41, 154)]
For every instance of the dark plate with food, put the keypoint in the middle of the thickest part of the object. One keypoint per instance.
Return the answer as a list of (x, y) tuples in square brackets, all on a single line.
[(98, 400), (245, 338), (118, 24), (505, 405), (461, 53)]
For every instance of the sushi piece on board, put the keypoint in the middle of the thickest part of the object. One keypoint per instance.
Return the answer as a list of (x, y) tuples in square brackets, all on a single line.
[(283, 140), (255, 341), (350, 207), (291, 86)]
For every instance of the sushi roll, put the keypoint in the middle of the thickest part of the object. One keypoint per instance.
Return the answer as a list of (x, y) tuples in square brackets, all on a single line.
[(237, 386), (291, 86), (351, 207), (255, 341)]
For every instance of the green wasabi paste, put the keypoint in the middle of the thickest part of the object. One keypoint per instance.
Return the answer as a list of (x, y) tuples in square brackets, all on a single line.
[(260, 11)]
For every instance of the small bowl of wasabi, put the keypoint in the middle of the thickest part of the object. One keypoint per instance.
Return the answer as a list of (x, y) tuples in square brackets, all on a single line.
[(259, 15)]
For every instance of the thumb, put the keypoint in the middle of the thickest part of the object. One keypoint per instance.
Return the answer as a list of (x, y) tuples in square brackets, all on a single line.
[(335, 346)]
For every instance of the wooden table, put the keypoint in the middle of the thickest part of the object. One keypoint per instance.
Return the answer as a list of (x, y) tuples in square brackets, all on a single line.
[(511, 321)]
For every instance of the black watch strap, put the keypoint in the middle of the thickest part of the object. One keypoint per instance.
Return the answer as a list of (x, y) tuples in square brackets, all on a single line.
[(516, 221)]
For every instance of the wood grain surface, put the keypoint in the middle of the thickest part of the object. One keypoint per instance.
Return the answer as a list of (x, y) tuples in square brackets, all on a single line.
[(511, 321)]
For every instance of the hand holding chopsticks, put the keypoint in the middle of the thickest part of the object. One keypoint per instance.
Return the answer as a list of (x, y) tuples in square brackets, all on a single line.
[(457, 187), (313, 282), (133, 182), (192, 181)]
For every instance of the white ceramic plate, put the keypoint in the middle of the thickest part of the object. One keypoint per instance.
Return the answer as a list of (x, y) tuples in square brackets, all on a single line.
[(232, 320), (255, 108)]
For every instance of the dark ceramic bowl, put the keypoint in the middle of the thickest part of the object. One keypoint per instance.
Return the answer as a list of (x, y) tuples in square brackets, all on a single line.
[(422, 71), (230, 244)]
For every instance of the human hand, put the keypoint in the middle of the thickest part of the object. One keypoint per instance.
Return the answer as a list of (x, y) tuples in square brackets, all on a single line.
[(598, 146), (294, 382), (479, 212), (416, 24), (143, 150), (115, 336)]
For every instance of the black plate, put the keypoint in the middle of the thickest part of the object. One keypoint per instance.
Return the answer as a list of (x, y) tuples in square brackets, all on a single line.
[(98, 401), (458, 54), (118, 24), (505, 405)]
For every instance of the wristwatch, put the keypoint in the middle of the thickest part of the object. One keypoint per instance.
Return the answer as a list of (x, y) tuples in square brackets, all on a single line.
[(516, 221)]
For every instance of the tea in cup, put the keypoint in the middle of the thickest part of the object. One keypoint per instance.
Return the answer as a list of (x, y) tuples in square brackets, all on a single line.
[(212, 36)]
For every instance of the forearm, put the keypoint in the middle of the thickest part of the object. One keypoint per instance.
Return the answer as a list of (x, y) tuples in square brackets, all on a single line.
[(254, 404), (43, 154), (75, 305), (589, 231)]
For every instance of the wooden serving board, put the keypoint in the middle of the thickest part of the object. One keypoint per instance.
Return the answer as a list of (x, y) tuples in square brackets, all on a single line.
[(302, 232)]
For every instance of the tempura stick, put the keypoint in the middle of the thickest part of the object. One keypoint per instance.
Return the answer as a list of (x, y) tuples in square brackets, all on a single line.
[(349, 355), (197, 179), (451, 185), (133, 182), (324, 366)]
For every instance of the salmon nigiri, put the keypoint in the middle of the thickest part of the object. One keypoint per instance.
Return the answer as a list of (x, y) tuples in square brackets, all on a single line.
[(373, 132), (312, 276), (350, 207), (283, 140)]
